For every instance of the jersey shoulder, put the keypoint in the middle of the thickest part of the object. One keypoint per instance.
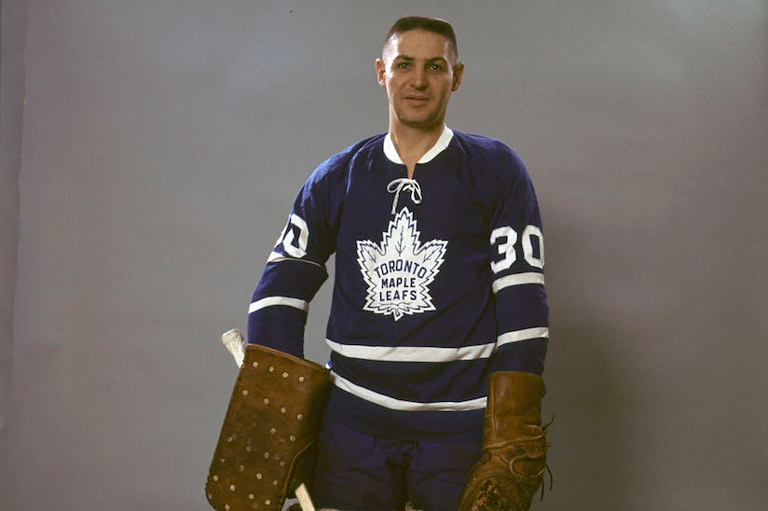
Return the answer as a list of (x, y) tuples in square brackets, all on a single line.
[(338, 166), (491, 158)]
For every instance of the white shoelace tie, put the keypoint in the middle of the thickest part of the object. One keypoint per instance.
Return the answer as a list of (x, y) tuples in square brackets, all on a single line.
[(409, 185)]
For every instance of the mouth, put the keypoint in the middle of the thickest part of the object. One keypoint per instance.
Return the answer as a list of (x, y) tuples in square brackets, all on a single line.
[(417, 99)]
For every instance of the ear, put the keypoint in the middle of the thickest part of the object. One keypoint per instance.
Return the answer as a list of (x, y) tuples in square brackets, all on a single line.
[(381, 69), (458, 72)]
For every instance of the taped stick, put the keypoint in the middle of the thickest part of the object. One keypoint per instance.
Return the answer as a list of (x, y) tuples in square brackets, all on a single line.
[(305, 501), (235, 343)]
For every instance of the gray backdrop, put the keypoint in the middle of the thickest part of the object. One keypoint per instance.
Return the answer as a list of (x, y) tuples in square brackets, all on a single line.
[(161, 145)]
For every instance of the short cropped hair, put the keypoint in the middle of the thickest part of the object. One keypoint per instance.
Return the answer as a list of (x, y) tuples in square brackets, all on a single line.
[(435, 25)]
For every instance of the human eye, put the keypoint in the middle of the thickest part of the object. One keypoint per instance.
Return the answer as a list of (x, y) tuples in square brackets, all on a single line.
[(436, 66), (402, 65)]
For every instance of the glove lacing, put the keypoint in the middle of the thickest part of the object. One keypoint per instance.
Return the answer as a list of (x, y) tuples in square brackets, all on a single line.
[(524, 456)]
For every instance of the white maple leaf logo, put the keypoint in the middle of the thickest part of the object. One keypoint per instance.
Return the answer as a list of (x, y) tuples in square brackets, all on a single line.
[(398, 272)]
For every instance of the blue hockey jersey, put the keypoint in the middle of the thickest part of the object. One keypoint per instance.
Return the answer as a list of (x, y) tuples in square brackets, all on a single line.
[(438, 282)]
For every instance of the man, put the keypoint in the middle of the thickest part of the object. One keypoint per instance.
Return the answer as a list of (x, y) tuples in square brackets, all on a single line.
[(438, 295)]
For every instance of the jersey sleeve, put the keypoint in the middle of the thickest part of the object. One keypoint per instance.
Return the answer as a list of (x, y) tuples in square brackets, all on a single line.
[(295, 270), (517, 265)]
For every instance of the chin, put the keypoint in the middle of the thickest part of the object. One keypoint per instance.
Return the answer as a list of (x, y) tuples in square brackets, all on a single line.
[(420, 121)]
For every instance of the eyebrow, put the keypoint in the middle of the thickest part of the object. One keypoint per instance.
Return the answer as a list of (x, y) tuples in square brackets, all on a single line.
[(410, 59)]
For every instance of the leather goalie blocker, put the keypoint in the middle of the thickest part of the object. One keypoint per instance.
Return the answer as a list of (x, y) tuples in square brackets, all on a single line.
[(266, 446), (513, 463)]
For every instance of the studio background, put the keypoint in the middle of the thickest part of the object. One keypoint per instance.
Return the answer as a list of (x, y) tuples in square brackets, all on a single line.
[(151, 151)]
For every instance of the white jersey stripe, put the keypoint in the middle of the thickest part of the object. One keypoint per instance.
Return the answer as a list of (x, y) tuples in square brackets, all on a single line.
[(279, 300), (524, 335), (277, 257), (399, 404), (518, 280), (412, 354)]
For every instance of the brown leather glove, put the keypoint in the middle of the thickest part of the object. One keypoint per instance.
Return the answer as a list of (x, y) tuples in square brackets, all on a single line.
[(511, 469)]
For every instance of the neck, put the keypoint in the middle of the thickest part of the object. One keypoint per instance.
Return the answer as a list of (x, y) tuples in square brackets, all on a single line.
[(413, 143)]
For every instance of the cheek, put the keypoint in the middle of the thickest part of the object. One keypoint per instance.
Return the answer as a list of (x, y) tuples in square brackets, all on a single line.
[(392, 86), (445, 90)]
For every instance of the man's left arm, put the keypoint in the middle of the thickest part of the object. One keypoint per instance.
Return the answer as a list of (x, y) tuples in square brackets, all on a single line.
[(517, 264), (514, 443)]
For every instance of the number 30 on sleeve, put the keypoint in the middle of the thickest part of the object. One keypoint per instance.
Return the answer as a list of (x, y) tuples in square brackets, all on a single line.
[(505, 238), (295, 247)]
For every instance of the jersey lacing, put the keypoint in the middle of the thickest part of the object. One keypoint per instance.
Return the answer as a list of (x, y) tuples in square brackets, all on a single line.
[(409, 185)]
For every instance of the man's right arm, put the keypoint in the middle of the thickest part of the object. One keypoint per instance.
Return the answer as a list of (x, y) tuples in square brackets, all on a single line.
[(294, 272)]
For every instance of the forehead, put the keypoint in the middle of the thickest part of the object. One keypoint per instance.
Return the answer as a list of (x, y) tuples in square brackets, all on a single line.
[(417, 43)]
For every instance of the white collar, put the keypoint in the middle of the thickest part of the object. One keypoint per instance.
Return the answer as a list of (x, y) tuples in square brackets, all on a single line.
[(440, 145)]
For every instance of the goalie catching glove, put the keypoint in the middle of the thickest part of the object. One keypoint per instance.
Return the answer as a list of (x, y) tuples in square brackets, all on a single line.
[(511, 469)]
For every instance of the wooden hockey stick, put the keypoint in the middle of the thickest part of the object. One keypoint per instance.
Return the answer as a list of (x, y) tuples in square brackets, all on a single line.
[(235, 343), (305, 501)]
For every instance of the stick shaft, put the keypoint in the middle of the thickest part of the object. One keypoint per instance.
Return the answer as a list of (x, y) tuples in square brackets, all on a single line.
[(305, 501)]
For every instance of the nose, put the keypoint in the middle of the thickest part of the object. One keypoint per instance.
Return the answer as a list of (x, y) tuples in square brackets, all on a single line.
[(419, 79)]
